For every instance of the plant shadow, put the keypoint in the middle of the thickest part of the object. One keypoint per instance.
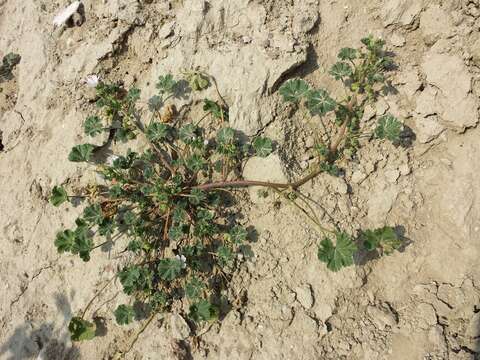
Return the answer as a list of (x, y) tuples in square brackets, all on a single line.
[(363, 256), (43, 342)]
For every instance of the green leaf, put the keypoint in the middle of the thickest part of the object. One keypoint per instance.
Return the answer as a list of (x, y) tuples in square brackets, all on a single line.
[(389, 127), (93, 214), (338, 255), (106, 228), (225, 255), (11, 59), (81, 329), (263, 146), (65, 241), (293, 90), (81, 153), (59, 196), (175, 233), (320, 102), (225, 136), (384, 238), (157, 131), (194, 288), (83, 243), (347, 54), (155, 103), (129, 277), (195, 163), (158, 300), (197, 81), (197, 196), (170, 269), (238, 234), (133, 95), (203, 311), (166, 84), (124, 314), (341, 70), (92, 126), (214, 108), (188, 133)]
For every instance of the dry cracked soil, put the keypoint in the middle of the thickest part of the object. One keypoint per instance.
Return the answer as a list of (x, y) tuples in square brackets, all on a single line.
[(420, 303)]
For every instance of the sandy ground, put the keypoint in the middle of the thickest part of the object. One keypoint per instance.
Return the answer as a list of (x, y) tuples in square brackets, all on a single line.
[(420, 303)]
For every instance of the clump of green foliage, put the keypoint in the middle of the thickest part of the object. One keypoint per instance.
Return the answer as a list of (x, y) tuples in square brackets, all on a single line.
[(165, 208), (9, 62), (363, 73)]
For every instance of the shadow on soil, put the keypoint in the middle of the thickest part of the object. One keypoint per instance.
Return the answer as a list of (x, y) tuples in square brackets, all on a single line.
[(41, 340)]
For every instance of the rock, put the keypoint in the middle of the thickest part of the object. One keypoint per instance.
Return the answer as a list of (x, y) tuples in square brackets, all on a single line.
[(166, 30), (426, 102), (475, 51), (381, 317), (435, 23), (305, 296), (404, 169), (428, 128), (337, 185), (401, 12), (426, 316), (380, 204), (392, 176), (368, 112), (179, 327), (358, 176), (397, 40), (381, 107), (264, 169), (473, 329), (410, 80), (304, 19), (454, 103)]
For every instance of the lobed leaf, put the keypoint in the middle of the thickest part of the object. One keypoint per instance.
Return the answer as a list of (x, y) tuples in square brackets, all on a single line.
[(384, 238), (389, 127), (294, 90), (341, 70), (58, 196), (81, 153), (194, 288), (93, 214), (238, 234), (92, 126), (339, 255), (169, 269), (157, 131), (263, 146), (166, 84), (320, 102), (64, 241), (215, 109), (124, 314), (347, 54), (155, 103), (197, 196), (81, 329), (203, 310)]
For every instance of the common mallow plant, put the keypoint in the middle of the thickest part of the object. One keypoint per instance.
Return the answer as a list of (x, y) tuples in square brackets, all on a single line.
[(165, 209)]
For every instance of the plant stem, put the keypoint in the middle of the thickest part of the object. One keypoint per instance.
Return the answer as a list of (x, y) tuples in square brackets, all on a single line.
[(97, 295), (137, 335)]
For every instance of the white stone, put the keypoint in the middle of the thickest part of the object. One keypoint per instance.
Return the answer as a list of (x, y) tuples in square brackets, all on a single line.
[(397, 40), (305, 296), (179, 327), (455, 103), (428, 128)]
